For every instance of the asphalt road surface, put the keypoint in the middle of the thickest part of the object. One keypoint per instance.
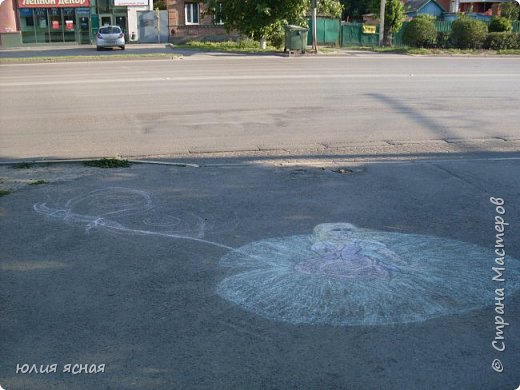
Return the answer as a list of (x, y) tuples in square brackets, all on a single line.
[(209, 104), (288, 263), (227, 277)]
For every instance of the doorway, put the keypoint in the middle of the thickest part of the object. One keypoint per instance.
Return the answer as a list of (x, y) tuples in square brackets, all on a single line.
[(83, 29), (120, 20), (105, 20)]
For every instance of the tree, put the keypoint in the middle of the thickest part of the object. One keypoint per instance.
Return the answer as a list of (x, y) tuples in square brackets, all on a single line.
[(333, 8), (500, 24), (355, 9), (266, 18), (256, 18), (159, 4), (394, 16), (510, 10)]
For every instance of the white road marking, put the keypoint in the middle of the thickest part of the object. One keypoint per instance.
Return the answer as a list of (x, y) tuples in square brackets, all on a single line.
[(255, 77)]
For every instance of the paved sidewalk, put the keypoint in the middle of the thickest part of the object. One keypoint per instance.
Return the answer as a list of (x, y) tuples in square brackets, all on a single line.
[(82, 50), (68, 50)]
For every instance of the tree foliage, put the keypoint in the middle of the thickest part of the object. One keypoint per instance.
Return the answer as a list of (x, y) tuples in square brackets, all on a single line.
[(266, 18), (394, 16), (510, 10), (333, 8), (159, 4), (255, 18), (500, 24), (354, 10)]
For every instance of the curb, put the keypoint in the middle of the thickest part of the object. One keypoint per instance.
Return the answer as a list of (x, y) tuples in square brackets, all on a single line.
[(80, 160)]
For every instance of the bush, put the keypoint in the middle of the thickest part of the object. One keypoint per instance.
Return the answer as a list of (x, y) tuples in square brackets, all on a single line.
[(502, 41), (420, 32), (498, 24), (443, 40), (275, 34), (468, 33)]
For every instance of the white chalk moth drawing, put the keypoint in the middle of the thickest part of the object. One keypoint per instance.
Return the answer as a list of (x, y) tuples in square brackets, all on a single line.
[(97, 208), (338, 275)]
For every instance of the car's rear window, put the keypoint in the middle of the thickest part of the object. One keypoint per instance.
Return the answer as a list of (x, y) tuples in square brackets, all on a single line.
[(109, 30)]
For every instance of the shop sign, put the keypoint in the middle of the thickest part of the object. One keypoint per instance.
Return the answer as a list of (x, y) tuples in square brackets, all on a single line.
[(82, 12), (52, 3), (130, 3), (26, 12), (369, 29)]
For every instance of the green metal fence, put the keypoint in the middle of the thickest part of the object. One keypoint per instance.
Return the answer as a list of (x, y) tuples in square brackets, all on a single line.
[(443, 26), (327, 31), (352, 34), (397, 37)]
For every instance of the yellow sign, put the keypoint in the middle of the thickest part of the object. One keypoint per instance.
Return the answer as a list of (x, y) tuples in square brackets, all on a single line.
[(369, 29)]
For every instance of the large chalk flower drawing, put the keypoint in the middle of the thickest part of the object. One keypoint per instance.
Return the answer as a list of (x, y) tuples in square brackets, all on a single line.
[(338, 275), (343, 275)]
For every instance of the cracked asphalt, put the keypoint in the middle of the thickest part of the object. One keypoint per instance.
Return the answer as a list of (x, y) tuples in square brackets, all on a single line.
[(212, 104)]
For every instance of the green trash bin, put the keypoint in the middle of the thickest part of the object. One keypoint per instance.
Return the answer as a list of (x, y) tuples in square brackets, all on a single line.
[(295, 38)]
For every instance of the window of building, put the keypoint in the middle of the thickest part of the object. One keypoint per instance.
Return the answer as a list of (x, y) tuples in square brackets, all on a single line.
[(191, 12), (27, 25), (27, 21)]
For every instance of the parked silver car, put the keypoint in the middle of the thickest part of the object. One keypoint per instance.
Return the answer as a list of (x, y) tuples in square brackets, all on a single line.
[(110, 36)]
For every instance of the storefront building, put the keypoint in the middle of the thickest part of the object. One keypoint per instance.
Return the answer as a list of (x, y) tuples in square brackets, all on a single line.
[(60, 21)]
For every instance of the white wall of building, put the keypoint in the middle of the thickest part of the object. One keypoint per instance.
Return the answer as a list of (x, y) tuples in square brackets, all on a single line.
[(133, 23)]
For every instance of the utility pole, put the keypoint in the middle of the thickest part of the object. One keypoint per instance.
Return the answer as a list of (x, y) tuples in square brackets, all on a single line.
[(314, 29), (382, 23), (158, 15)]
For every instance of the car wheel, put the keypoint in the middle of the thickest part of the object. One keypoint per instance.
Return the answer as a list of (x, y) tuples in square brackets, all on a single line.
[(98, 48), (122, 47)]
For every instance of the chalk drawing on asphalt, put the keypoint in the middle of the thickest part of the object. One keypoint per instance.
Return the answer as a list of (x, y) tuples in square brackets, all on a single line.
[(338, 275), (344, 275), (96, 209)]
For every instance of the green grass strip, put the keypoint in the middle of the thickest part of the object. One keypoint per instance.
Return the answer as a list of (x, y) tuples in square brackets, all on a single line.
[(37, 182), (245, 46), (108, 163)]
